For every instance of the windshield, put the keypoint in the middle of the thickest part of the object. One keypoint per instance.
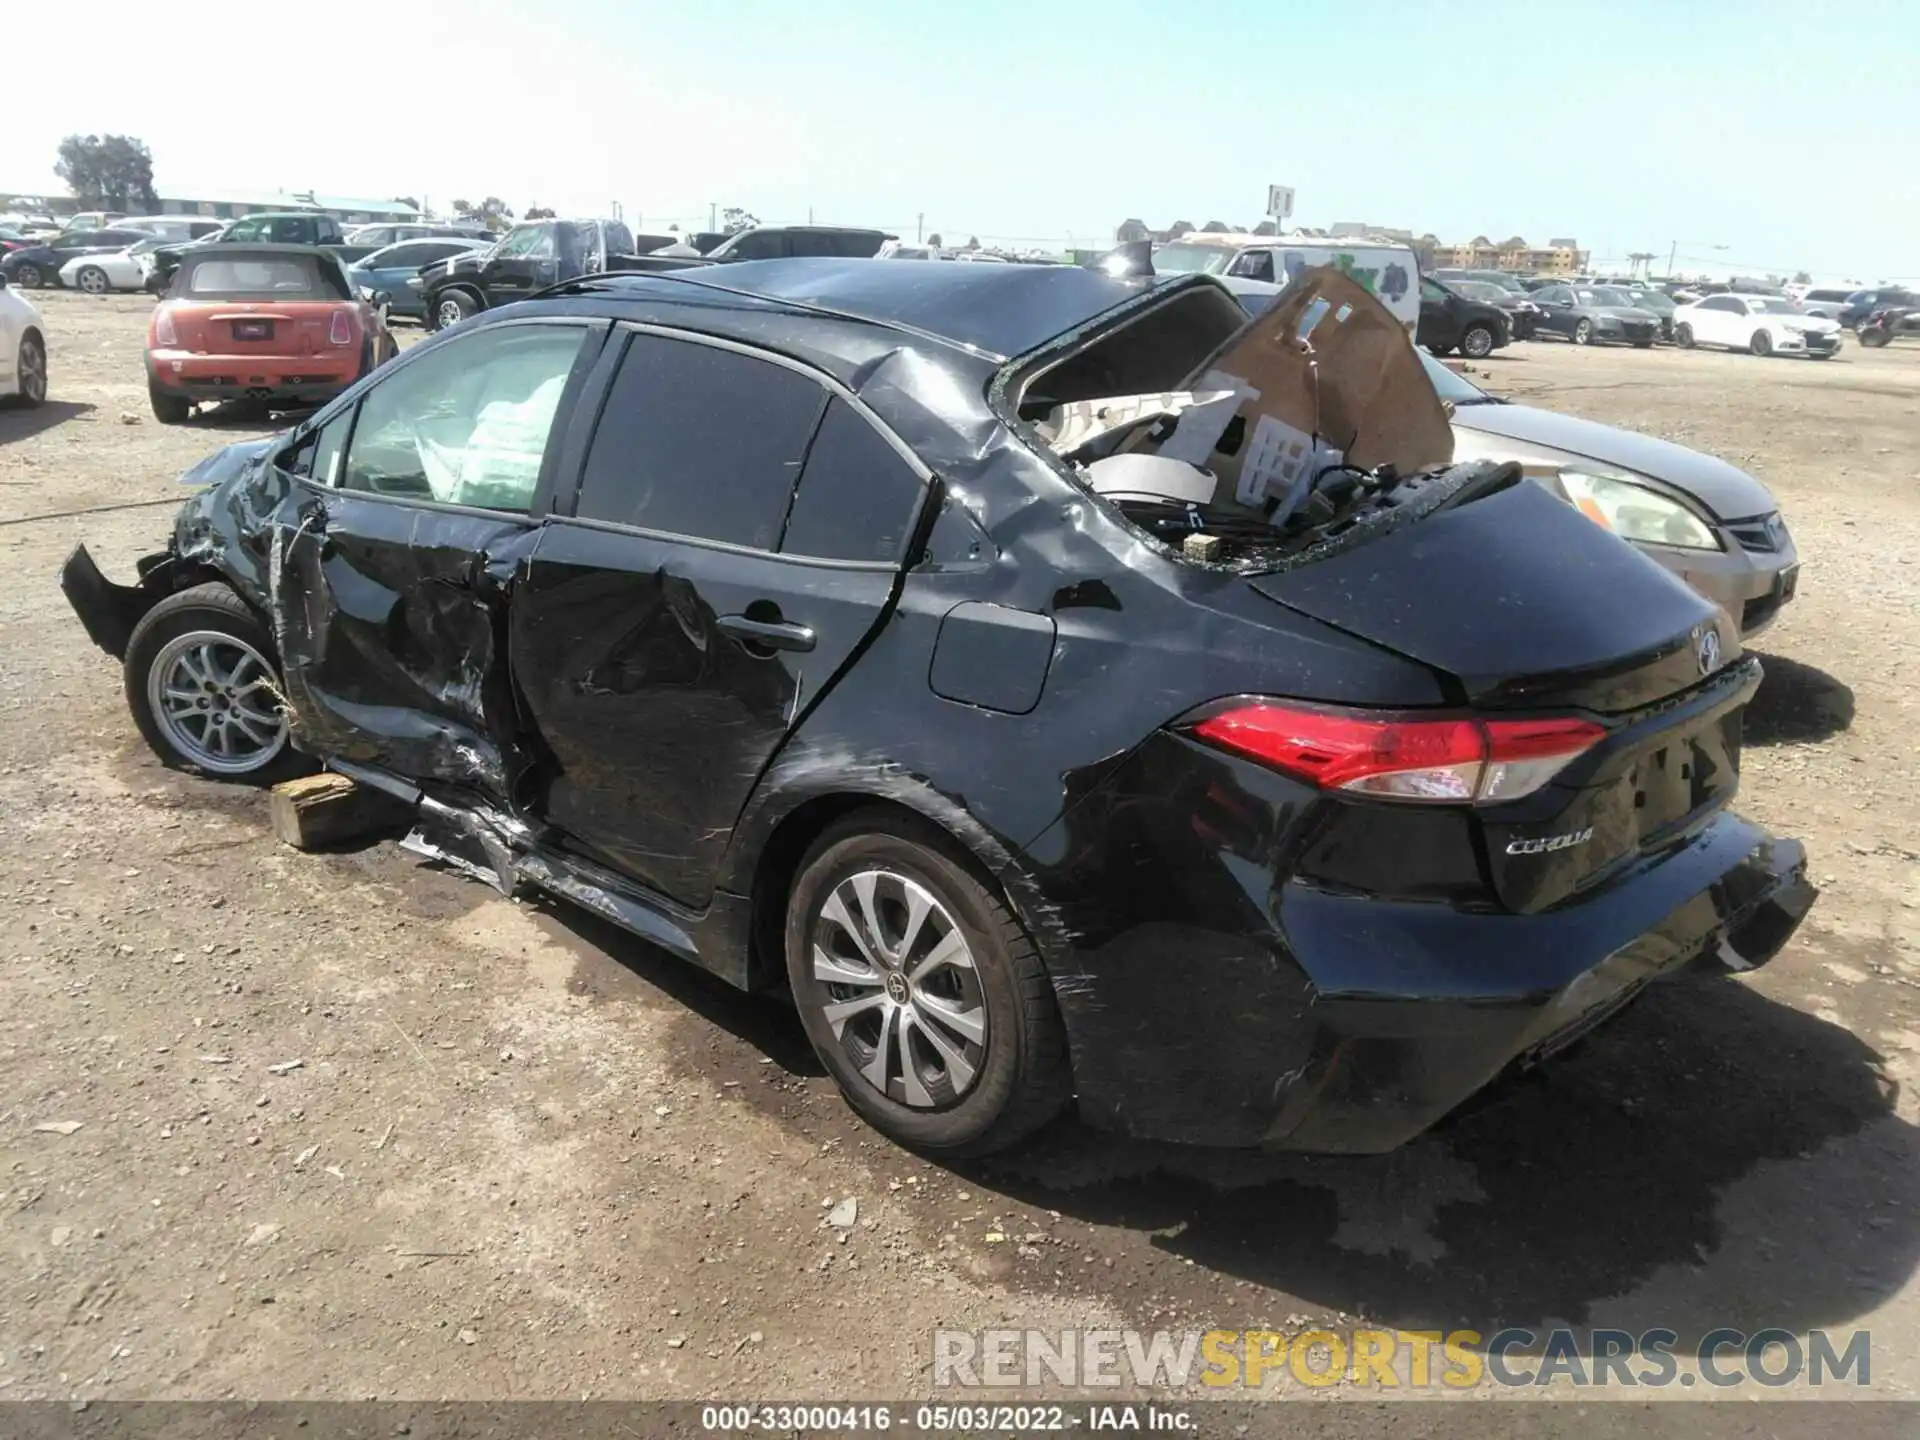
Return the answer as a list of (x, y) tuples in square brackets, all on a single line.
[(1606, 296), (1450, 387), (1479, 290), (1178, 259), (1652, 300)]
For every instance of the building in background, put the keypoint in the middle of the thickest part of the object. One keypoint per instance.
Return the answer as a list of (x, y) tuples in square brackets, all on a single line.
[(231, 204), (1557, 257)]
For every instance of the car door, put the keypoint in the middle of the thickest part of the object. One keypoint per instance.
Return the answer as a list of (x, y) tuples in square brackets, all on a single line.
[(512, 272), (668, 637), (1712, 324), (1557, 302), (389, 592), (1439, 327)]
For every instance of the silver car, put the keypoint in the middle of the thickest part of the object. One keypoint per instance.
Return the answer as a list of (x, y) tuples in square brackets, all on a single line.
[(1713, 525)]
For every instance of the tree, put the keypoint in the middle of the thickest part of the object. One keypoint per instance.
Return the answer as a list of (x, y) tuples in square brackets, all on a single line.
[(934, 240), (1801, 277), (1214, 227), (733, 220), (406, 200), (537, 212), (115, 171), (973, 242)]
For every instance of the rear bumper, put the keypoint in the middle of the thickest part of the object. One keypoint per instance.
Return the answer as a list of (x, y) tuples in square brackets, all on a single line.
[(1212, 997), (228, 377)]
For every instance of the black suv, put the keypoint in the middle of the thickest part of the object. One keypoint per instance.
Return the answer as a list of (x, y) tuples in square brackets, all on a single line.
[(837, 627), (1450, 321), (292, 227), (781, 242), (527, 258)]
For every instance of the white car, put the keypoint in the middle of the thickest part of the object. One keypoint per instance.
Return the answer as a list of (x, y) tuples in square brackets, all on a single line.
[(23, 348), (1762, 324), (115, 270)]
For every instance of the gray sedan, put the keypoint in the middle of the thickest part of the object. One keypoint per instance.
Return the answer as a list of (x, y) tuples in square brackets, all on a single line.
[(1713, 525)]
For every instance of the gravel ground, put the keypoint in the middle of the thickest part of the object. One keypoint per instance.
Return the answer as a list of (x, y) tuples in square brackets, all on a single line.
[(522, 1155)]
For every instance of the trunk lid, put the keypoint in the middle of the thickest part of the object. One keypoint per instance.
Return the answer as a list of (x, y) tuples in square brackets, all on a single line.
[(1521, 605)]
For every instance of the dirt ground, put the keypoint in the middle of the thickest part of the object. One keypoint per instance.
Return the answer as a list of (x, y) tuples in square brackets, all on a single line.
[(523, 1155)]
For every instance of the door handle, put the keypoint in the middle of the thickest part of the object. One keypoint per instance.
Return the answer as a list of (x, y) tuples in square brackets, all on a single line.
[(769, 634)]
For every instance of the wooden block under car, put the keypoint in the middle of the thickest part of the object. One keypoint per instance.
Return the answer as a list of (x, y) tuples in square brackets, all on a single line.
[(320, 810)]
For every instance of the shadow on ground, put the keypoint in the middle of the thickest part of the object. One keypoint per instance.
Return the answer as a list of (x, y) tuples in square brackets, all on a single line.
[(1797, 703), (17, 422)]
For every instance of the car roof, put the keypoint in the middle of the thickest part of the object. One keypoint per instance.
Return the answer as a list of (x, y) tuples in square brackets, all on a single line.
[(992, 311)]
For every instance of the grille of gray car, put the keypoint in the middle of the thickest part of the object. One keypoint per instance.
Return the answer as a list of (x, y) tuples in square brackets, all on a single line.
[(1762, 535)]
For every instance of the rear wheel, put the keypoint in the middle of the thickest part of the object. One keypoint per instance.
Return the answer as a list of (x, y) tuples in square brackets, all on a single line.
[(205, 691), (920, 991), (1583, 333), (28, 276), (1761, 343), (1643, 344), (1875, 336), (1476, 342), (31, 371), (93, 280), (168, 408), (1683, 335)]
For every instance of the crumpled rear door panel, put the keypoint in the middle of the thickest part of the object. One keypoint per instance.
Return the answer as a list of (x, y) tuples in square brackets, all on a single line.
[(391, 625)]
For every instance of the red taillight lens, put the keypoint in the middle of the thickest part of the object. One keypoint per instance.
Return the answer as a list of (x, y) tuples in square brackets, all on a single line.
[(340, 331), (163, 332), (1461, 761)]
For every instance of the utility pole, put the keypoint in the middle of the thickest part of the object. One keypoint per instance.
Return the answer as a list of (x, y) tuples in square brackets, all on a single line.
[(1672, 250), (809, 215), (713, 215), (919, 227)]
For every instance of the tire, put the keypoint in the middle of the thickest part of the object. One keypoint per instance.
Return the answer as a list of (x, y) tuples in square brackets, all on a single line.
[(1001, 1075), (1583, 333), (1643, 344), (93, 280), (209, 632), (1476, 342), (1683, 335), (31, 370), (1873, 339), (28, 276), (450, 307), (168, 408), (1760, 344)]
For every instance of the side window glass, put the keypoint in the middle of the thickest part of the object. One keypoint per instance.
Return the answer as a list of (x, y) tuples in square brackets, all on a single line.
[(1431, 290), (317, 458), (406, 257), (700, 441), (245, 230), (1253, 265), (763, 246), (467, 424), (857, 497), (286, 230)]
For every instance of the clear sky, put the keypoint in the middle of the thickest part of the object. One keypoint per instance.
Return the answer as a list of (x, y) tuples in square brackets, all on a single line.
[(1753, 133)]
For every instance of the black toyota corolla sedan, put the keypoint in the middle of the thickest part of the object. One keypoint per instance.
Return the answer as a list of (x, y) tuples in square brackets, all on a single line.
[(1071, 692)]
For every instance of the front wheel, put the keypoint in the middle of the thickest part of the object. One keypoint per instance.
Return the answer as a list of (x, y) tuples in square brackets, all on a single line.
[(1476, 342), (1761, 343), (451, 308), (31, 371), (93, 280), (921, 992), (1875, 336), (205, 692), (28, 277), (1683, 335), (1583, 333)]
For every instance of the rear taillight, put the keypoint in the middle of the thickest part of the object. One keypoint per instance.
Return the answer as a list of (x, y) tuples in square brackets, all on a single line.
[(164, 334), (340, 331), (1402, 757)]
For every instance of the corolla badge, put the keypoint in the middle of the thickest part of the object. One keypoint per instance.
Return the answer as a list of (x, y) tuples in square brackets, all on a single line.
[(1547, 843), (1706, 648)]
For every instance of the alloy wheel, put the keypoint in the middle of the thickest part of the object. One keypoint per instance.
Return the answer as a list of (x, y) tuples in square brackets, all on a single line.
[(93, 280), (901, 992), (32, 370), (27, 277), (214, 697), (450, 313)]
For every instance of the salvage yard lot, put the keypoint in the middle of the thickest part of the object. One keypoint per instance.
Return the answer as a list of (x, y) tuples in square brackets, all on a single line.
[(524, 1155)]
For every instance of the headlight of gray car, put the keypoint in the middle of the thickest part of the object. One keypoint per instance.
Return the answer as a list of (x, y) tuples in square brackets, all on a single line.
[(1634, 511)]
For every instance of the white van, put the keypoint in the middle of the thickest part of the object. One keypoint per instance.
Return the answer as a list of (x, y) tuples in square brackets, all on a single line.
[(1388, 271)]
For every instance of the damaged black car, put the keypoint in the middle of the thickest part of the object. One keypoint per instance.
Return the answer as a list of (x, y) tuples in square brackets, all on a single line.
[(1072, 693)]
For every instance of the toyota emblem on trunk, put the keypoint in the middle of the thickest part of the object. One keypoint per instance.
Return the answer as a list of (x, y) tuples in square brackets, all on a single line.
[(1707, 648)]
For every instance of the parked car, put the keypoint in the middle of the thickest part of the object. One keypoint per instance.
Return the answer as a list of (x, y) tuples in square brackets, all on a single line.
[(378, 237), (100, 274), (12, 239), (1710, 523), (93, 220), (528, 258), (1862, 303), (33, 266), (1760, 324), (822, 667), (23, 348), (1825, 301), (1498, 278), (172, 227), (895, 250), (1587, 314), (1452, 321), (1884, 326), (1657, 302), (394, 269), (292, 227), (1388, 271), (779, 242), (277, 324), (1521, 313)]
